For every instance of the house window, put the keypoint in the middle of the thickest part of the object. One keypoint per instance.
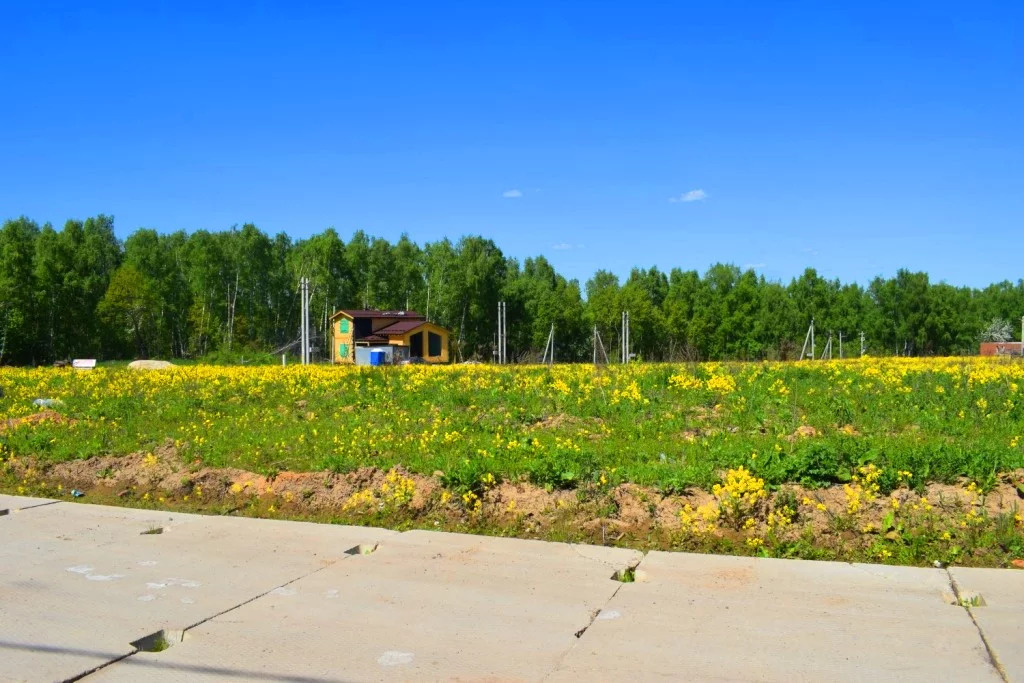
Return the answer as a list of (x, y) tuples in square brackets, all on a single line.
[(433, 345), (343, 351), (343, 326)]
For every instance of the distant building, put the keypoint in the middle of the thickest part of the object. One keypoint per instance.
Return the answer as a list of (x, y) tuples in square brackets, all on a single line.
[(400, 335), (1000, 349)]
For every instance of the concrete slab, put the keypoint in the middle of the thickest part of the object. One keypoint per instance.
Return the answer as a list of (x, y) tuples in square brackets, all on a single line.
[(1001, 618), (81, 582), (706, 617), (12, 504), (424, 606)]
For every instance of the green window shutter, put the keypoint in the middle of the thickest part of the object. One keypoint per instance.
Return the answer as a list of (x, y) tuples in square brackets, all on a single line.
[(343, 326), (343, 350)]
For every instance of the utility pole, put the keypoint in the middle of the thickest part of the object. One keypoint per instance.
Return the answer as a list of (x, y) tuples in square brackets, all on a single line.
[(502, 342), (304, 321), (599, 344), (827, 351), (549, 347), (629, 339), (808, 340), (625, 338)]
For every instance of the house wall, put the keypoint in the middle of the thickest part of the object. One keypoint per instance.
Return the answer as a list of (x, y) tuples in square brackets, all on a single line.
[(425, 329), (338, 338), (1000, 349)]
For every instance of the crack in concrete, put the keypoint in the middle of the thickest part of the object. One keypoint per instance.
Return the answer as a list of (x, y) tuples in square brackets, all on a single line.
[(613, 565), (203, 621), (8, 511), (993, 659), (579, 634), (596, 613), (104, 665), (593, 616), (263, 594), (865, 568)]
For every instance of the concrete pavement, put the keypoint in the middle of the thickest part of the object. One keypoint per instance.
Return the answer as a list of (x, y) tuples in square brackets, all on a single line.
[(86, 590)]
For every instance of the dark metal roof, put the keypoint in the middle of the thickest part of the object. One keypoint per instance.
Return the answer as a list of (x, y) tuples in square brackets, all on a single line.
[(400, 327), (373, 313)]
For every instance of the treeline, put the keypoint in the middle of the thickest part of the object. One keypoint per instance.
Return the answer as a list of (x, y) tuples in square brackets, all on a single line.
[(80, 292)]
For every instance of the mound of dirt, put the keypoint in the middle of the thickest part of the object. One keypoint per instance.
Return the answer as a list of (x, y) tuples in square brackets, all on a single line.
[(803, 432), (35, 418), (522, 499), (554, 421), (607, 513)]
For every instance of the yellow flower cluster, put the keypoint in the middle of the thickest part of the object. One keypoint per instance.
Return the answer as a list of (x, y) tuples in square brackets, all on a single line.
[(699, 521), (630, 394), (780, 518), (471, 501), (721, 384), (864, 488), (396, 490), (779, 388), (739, 494), (684, 381)]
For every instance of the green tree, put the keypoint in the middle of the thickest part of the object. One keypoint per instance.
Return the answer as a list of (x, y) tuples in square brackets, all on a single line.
[(131, 306), (18, 322)]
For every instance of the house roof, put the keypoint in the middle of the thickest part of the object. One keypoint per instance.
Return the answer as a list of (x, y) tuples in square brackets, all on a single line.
[(373, 313), (400, 328)]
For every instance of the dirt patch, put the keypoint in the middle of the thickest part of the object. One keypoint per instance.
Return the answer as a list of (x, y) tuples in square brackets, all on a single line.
[(637, 506), (803, 432), (525, 500), (626, 513), (162, 471), (146, 470), (554, 421), (559, 420), (34, 419)]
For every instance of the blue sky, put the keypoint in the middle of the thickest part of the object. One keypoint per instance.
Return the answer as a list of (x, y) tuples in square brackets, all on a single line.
[(857, 138)]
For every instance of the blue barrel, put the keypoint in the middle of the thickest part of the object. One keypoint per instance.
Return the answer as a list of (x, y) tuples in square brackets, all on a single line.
[(377, 357)]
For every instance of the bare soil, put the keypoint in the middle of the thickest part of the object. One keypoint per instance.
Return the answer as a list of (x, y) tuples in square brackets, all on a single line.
[(617, 510), (35, 418)]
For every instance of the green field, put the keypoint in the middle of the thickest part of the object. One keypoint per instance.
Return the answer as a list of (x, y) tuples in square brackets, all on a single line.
[(740, 435)]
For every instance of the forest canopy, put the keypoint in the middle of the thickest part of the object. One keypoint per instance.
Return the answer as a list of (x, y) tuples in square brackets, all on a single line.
[(81, 292)]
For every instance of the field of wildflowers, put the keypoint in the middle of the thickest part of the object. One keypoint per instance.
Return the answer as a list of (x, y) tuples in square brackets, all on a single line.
[(752, 453)]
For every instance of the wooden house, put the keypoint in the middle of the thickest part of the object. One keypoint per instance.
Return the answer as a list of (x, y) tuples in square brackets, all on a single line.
[(401, 335)]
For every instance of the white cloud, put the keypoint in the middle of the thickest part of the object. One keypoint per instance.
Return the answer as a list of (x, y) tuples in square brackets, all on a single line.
[(512, 194), (561, 246), (691, 196), (754, 266)]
